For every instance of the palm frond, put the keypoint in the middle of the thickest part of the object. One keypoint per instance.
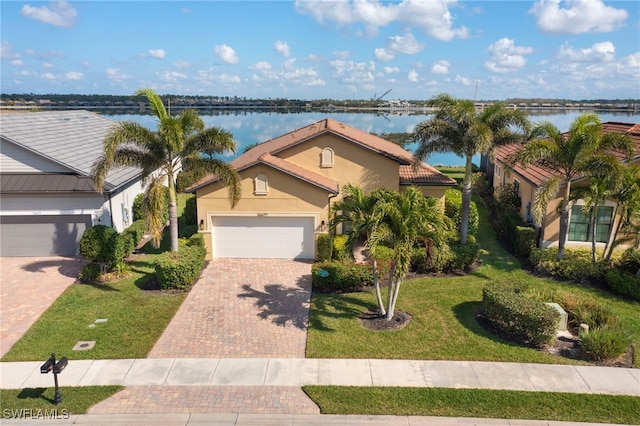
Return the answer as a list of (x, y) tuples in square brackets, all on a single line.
[(543, 196), (155, 103)]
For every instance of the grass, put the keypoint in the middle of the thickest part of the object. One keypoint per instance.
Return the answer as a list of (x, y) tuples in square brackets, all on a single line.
[(456, 173), (135, 318), (479, 403), (443, 309), (38, 402)]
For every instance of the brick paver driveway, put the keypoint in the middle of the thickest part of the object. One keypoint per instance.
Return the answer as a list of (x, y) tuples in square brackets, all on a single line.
[(28, 286), (242, 308)]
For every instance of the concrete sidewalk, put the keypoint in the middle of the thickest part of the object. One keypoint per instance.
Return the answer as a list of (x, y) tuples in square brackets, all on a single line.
[(233, 419), (337, 372)]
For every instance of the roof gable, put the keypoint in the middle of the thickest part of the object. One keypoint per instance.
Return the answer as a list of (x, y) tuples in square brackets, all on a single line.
[(73, 139)]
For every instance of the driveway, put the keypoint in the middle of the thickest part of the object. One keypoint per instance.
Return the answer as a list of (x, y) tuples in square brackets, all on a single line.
[(28, 286), (242, 308)]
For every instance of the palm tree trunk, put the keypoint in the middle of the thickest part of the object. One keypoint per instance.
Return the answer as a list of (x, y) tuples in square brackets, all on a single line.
[(173, 214), (564, 221), (592, 221), (611, 243), (466, 200), (376, 285), (389, 313), (392, 303)]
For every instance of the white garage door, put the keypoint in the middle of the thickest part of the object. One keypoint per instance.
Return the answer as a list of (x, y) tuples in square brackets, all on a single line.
[(263, 237)]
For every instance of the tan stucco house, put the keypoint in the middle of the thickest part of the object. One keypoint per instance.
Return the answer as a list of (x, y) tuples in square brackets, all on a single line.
[(528, 180), (290, 182)]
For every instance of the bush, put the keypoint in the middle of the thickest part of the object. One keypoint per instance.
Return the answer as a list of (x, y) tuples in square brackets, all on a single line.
[(524, 240), (630, 260), (453, 207), (342, 276), (517, 316), (190, 213), (324, 244), (138, 214), (340, 249), (180, 270), (89, 273), (582, 310), (624, 283), (576, 265), (464, 255), (137, 230), (103, 244), (604, 343)]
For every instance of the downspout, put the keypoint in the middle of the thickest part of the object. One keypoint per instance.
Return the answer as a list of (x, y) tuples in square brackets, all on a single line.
[(110, 211), (329, 205)]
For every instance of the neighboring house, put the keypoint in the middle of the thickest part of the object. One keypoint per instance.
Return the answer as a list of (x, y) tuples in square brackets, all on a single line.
[(47, 198), (528, 180), (290, 182)]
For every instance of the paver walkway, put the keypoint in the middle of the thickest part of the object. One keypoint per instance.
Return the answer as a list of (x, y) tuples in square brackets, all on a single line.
[(242, 308), (28, 286)]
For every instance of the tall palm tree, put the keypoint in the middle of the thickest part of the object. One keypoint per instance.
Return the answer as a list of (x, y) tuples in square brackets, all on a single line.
[(568, 156), (459, 128), (356, 210), (627, 199), (179, 141), (402, 220)]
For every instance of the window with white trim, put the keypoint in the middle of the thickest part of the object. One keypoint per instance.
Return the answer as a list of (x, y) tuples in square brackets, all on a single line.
[(326, 158), (579, 226), (261, 185)]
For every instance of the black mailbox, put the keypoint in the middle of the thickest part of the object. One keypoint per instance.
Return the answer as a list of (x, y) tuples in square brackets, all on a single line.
[(47, 366), (60, 365)]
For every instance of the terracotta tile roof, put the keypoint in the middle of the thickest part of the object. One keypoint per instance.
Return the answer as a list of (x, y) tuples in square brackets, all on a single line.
[(328, 125), (424, 175), (300, 172), (537, 175)]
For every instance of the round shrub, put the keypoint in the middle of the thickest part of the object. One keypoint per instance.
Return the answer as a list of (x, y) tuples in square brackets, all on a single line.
[(103, 244)]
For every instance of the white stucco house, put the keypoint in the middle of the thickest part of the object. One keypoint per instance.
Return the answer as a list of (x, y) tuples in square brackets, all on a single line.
[(47, 197)]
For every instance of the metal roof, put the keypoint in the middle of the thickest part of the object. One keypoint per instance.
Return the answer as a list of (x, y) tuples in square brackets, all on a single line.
[(73, 139)]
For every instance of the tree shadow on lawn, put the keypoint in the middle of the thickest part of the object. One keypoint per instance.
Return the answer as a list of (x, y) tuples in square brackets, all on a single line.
[(282, 304), (335, 307)]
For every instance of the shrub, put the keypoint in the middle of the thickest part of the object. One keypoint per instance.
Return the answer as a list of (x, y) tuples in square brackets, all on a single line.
[(576, 265), (89, 273), (624, 283), (464, 255), (630, 260), (137, 230), (137, 209), (180, 270), (517, 316), (342, 276), (324, 244), (103, 244), (582, 310), (524, 240), (340, 249), (604, 343), (453, 207), (190, 213)]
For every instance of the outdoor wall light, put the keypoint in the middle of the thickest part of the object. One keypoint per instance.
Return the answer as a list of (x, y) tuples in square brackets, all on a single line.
[(322, 225), (201, 226), (56, 367)]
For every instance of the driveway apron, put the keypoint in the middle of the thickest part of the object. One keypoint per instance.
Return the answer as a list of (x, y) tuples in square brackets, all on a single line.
[(28, 286), (242, 308)]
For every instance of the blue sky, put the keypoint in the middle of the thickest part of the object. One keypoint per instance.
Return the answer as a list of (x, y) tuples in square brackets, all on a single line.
[(574, 49)]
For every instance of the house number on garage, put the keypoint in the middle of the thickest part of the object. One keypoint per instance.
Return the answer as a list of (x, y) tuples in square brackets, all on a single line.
[(263, 214)]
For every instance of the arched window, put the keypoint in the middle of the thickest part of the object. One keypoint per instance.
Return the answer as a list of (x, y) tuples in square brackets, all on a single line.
[(261, 185), (327, 158)]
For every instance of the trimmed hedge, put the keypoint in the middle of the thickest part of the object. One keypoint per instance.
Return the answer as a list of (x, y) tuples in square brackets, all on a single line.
[(180, 270), (324, 244), (103, 244), (517, 316), (342, 276), (624, 283), (576, 265), (339, 245), (464, 255), (135, 232)]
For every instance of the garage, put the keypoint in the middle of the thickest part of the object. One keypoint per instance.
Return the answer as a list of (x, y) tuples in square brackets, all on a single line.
[(42, 235), (263, 237)]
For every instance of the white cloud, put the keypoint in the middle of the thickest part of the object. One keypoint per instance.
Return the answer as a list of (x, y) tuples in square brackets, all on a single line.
[(47, 65), (407, 45), (599, 52), (182, 64), (432, 17), (17, 62), (391, 70), (441, 67), (6, 51), (463, 80), (413, 76), (58, 13), (157, 53), (383, 55), (350, 72), (115, 75), (226, 54), (47, 76), (260, 66), (505, 56), (579, 16), (73, 75), (341, 54), (170, 76), (282, 48)]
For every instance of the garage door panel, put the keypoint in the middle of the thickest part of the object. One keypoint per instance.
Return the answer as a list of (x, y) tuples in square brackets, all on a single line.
[(42, 235), (263, 237)]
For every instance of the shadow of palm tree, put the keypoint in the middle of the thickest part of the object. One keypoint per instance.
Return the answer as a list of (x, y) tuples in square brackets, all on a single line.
[(336, 306), (281, 304), (69, 267)]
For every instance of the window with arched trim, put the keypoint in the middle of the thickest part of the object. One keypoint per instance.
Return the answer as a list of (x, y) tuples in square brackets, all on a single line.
[(327, 158), (261, 185)]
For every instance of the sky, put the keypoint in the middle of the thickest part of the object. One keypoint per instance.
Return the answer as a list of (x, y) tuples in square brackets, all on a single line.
[(362, 49)]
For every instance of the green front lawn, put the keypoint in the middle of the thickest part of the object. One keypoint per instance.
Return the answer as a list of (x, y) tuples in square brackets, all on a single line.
[(443, 309), (479, 403), (37, 403)]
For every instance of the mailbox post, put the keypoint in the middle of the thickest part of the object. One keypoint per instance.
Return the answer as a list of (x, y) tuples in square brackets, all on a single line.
[(56, 368)]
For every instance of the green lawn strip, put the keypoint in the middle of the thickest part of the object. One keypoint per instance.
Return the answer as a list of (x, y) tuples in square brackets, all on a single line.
[(38, 402), (444, 325), (479, 403)]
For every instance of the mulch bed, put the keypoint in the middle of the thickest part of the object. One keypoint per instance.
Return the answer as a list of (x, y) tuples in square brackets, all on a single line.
[(375, 321)]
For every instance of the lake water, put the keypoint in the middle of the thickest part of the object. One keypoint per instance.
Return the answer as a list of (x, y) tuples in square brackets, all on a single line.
[(253, 127)]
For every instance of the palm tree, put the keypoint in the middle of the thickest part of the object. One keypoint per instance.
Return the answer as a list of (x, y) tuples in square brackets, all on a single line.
[(459, 128), (356, 210), (627, 199), (568, 157), (178, 142), (400, 221)]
